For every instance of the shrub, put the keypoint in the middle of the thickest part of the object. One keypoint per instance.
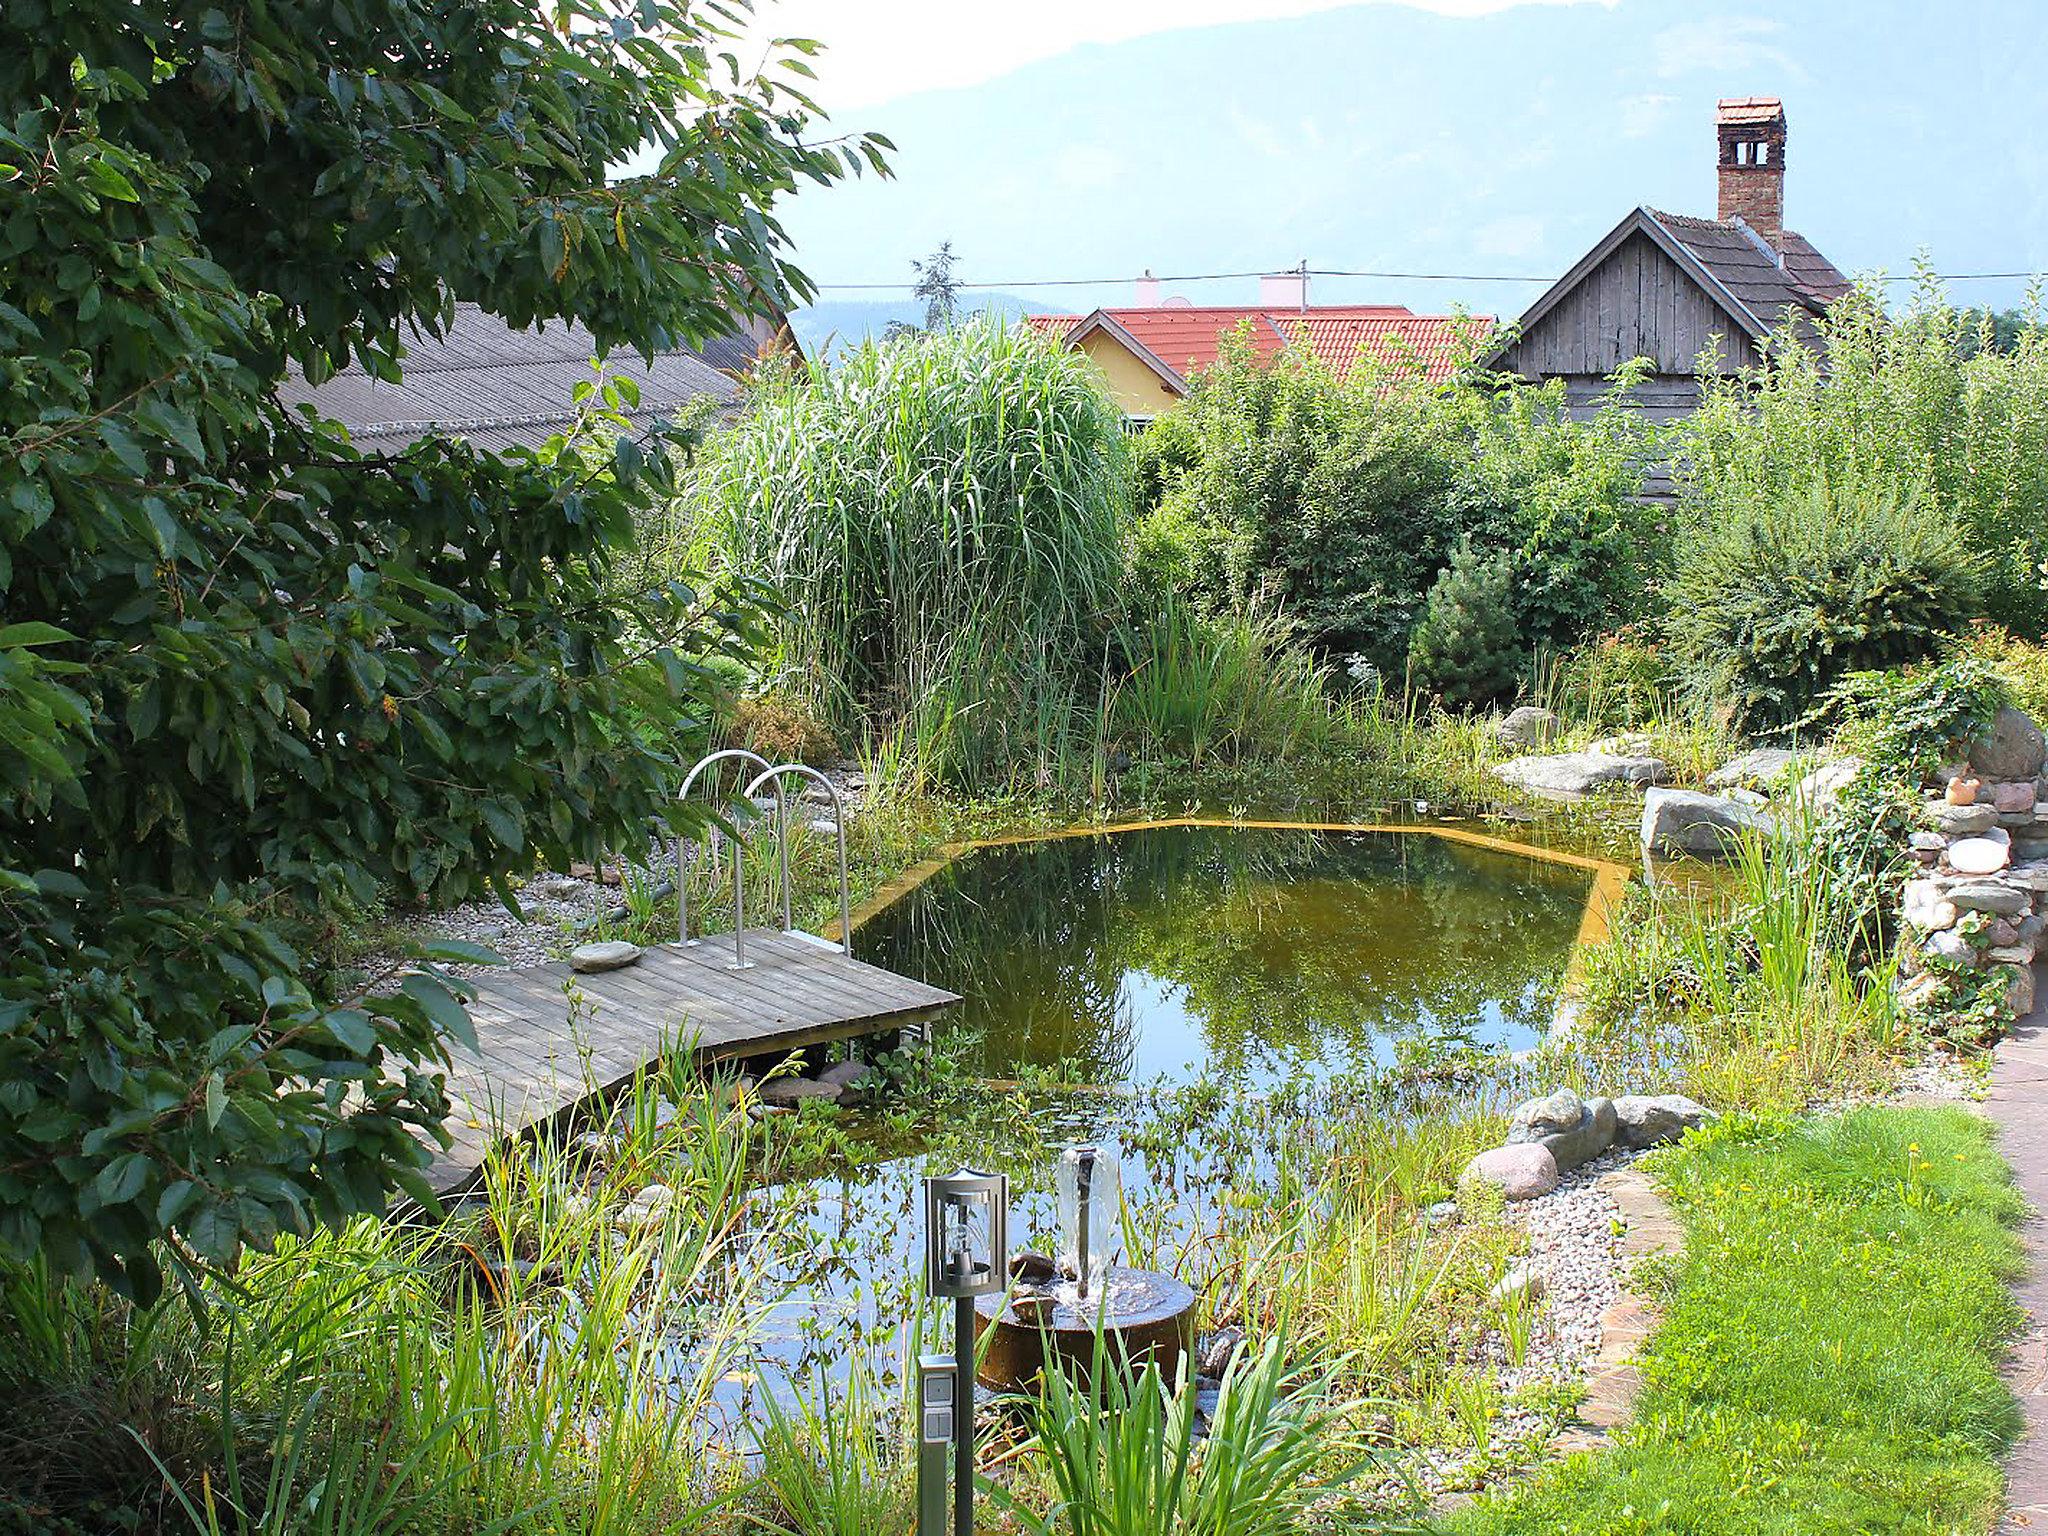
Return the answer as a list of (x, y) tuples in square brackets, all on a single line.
[(1342, 500), (1776, 601), (1906, 401), (1465, 649)]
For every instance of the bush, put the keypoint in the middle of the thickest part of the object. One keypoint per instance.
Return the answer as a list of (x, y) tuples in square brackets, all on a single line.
[(1776, 601), (1465, 649), (1342, 500), (1908, 401)]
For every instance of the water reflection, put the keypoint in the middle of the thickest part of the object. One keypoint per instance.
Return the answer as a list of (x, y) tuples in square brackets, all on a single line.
[(1248, 954)]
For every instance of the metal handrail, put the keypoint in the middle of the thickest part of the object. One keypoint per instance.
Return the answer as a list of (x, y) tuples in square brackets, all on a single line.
[(774, 776), (739, 898)]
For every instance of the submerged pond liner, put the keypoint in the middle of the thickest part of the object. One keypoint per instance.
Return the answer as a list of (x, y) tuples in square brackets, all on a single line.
[(1254, 950)]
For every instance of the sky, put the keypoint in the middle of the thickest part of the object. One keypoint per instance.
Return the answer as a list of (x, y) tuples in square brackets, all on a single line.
[(1476, 138)]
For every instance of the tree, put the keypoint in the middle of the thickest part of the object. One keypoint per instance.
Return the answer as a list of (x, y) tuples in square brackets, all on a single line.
[(1465, 648), (248, 669), (937, 286)]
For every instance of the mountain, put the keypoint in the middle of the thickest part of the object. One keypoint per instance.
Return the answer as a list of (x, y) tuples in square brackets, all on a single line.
[(1389, 138)]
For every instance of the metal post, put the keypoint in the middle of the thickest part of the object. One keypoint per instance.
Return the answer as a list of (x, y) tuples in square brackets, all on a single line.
[(682, 892), (739, 908), (782, 847), (935, 1382), (963, 1417), (1084, 1176)]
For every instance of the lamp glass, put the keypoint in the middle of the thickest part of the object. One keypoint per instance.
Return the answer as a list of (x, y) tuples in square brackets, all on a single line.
[(965, 1236), (1089, 1183)]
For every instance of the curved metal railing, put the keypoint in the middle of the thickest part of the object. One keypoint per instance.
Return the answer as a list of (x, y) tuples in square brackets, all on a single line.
[(774, 776), (770, 774)]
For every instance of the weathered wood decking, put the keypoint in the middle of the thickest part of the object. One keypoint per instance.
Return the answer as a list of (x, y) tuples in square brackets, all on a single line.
[(536, 1062)]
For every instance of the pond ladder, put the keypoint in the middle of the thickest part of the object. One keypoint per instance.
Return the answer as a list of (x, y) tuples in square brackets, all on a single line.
[(770, 774)]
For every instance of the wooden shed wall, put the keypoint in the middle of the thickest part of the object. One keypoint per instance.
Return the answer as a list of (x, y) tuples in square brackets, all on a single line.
[(1636, 303)]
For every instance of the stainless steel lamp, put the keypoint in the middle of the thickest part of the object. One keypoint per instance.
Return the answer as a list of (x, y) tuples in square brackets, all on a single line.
[(967, 1242)]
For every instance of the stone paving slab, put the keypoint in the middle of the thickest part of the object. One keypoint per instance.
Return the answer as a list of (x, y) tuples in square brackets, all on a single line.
[(1614, 1382), (2018, 1104)]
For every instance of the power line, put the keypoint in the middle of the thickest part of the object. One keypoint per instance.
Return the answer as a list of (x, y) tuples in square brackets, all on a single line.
[(1411, 277)]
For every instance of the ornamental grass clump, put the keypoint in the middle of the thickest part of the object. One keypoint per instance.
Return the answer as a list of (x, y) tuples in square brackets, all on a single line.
[(943, 517)]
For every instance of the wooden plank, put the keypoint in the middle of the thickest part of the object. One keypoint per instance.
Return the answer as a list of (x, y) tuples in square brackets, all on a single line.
[(533, 1066)]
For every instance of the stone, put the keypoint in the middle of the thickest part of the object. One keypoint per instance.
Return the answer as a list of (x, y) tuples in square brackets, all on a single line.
[(2008, 798), (2019, 989), (1633, 744), (2010, 747), (2026, 850), (1217, 1350), (1686, 821), (788, 1092), (1649, 1120), (1033, 1269), (649, 1208), (1961, 820), (851, 1078), (1928, 842), (1520, 1172), (555, 887), (1952, 946), (1444, 1213), (1760, 767), (1820, 789), (825, 826), (608, 956), (1528, 727), (2003, 930), (1921, 994), (2010, 954), (1572, 774), (1993, 896), (1572, 1130), (1979, 855), (1519, 1284)]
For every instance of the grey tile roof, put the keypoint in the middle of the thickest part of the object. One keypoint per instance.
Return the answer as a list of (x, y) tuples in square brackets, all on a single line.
[(499, 387), (1807, 281)]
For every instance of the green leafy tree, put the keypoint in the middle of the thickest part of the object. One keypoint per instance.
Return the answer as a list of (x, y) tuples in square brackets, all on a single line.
[(246, 669), (1465, 650)]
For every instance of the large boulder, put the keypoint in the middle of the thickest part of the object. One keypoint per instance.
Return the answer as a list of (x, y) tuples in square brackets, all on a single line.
[(1819, 790), (1686, 821), (2010, 747), (1529, 727), (1647, 1120), (1571, 1129), (1758, 768), (1519, 1173), (789, 1092), (1568, 775)]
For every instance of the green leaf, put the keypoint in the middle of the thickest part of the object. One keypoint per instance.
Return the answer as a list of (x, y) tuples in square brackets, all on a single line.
[(108, 182), (122, 1179), (216, 1100), (442, 1007)]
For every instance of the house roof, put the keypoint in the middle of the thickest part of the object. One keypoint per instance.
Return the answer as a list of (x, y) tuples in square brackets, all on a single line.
[(1748, 109), (499, 387), (1736, 267), (1178, 340)]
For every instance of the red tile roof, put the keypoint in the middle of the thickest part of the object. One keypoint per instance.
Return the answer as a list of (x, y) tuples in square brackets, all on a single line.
[(1187, 338)]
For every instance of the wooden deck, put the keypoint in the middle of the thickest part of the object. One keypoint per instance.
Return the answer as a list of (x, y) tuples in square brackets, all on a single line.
[(536, 1064)]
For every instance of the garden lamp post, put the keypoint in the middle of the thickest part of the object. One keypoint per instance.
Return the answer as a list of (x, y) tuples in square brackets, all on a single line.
[(966, 1255)]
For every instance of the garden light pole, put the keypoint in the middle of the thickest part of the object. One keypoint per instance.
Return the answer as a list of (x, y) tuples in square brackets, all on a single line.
[(966, 1255)]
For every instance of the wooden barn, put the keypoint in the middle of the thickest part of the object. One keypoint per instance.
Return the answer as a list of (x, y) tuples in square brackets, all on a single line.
[(1666, 287)]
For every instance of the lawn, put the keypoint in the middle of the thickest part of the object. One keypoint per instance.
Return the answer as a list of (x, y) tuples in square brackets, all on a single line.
[(1829, 1354)]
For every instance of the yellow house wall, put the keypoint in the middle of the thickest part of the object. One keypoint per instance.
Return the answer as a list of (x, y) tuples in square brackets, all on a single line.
[(1137, 390)]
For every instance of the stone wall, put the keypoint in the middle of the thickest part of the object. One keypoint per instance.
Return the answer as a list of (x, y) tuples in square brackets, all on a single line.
[(1973, 914)]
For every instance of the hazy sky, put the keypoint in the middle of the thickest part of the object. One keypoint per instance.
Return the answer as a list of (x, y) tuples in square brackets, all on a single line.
[(1472, 137)]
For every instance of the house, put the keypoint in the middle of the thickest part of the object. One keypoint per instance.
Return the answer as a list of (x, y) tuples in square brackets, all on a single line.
[(1151, 351), (502, 388), (1666, 287)]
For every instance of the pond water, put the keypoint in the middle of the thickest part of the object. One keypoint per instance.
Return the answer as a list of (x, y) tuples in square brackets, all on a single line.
[(1203, 998), (1254, 955)]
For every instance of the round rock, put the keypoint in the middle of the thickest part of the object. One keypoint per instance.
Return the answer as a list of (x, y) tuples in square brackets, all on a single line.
[(2010, 747), (1521, 1172), (1978, 856), (608, 956)]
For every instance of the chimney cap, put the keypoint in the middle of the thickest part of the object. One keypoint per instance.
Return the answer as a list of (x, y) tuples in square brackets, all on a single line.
[(1749, 109)]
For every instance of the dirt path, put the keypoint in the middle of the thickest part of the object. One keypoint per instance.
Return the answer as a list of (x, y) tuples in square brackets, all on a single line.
[(2018, 1102)]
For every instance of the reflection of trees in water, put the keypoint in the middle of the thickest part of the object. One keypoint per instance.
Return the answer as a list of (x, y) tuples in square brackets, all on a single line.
[(1285, 943)]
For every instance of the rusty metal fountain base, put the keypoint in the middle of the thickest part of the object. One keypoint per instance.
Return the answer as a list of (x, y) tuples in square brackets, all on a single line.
[(1143, 1317)]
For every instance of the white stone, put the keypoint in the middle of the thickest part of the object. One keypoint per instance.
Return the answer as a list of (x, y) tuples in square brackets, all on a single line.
[(1648, 1120), (1685, 821), (1979, 855), (1926, 908), (1520, 1283), (1760, 767), (1528, 727), (1571, 774)]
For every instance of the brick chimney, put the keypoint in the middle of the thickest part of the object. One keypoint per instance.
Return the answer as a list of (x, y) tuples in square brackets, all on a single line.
[(1751, 131)]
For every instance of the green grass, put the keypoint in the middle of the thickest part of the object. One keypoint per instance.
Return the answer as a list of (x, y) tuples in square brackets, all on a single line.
[(1828, 1359)]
